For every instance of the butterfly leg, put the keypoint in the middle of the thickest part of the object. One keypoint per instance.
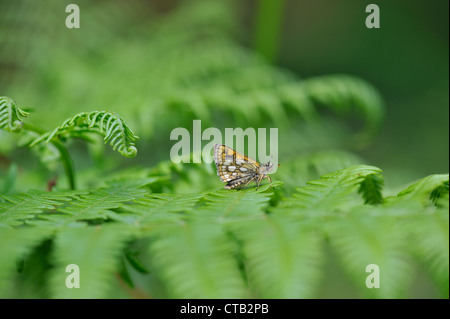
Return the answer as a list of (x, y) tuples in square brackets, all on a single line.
[(259, 181), (270, 182), (250, 180)]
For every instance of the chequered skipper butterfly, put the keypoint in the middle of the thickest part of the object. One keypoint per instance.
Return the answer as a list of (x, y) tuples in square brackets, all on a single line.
[(238, 170)]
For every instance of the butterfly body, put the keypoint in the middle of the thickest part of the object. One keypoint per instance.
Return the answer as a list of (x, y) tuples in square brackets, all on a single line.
[(238, 170)]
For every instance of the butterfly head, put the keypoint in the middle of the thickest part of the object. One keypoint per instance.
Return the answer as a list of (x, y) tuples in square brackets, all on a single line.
[(268, 167)]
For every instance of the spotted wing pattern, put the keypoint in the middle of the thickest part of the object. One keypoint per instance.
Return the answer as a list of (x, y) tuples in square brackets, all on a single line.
[(234, 168)]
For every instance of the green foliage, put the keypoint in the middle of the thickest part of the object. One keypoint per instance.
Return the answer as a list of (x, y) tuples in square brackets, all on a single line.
[(17, 208), (336, 189), (96, 254), (249, 203), (371, 189), (16, 244), (346, 95), (232, 244), (283, 257), (111, 125), (148, 227), (10, 115), (430, 245), (194, 260), (428, 189)]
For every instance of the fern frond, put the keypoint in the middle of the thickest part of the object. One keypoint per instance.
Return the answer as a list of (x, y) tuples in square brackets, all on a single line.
[(423, 191), (429, 242), (179, 253), (99, 203), (160, 207), (10, 115), (15, 244), (334, 191), (345, 94), (301, 169), (360, 239), (96, 251), (109, 124), (245, 202), (440, 195), (282, 257), (371, 189), (16, 208)]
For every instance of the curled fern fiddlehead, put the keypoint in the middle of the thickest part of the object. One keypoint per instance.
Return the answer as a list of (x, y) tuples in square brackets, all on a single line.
[(10, 115), (109, 124)]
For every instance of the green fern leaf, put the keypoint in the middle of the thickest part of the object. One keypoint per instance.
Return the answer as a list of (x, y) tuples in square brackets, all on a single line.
[(133, 259), (371, 189), (429, 242), (16, 208), (109, 124), (157, 208), (10, 115), (15, 245), (195, 260), (337, 190), (98, 204), (96, 251), (361, 239), (440, 196), (247, 202), (422, 191), (346, 94), (301, 169), (282, 257), (293, 95)]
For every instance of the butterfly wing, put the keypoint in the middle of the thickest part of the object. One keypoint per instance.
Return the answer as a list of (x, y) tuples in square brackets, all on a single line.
[(233, 167)]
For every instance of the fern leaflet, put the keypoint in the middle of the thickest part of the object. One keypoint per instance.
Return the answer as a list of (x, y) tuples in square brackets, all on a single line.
[(159, 207), (96, 254), (282, 257), (10, 115), (109, 124), (179, 254), (336, 190), (360, 240), (17, 208), (15, 244), (423, 191), (223, 204)]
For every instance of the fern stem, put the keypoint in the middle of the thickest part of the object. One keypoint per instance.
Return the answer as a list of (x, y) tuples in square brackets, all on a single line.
[(63, 152), (268, 28)]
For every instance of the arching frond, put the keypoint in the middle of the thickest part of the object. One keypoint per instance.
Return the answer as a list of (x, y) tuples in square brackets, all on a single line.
[(424, 191), (298, 170), (345, 94), (337, 190), (109, 124)]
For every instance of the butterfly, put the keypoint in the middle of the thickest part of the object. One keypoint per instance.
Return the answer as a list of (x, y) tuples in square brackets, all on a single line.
[(238, 170)]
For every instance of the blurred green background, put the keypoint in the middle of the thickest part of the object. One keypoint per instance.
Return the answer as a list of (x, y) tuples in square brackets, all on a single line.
[(148, 60), (161, 64), (406, 59)]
